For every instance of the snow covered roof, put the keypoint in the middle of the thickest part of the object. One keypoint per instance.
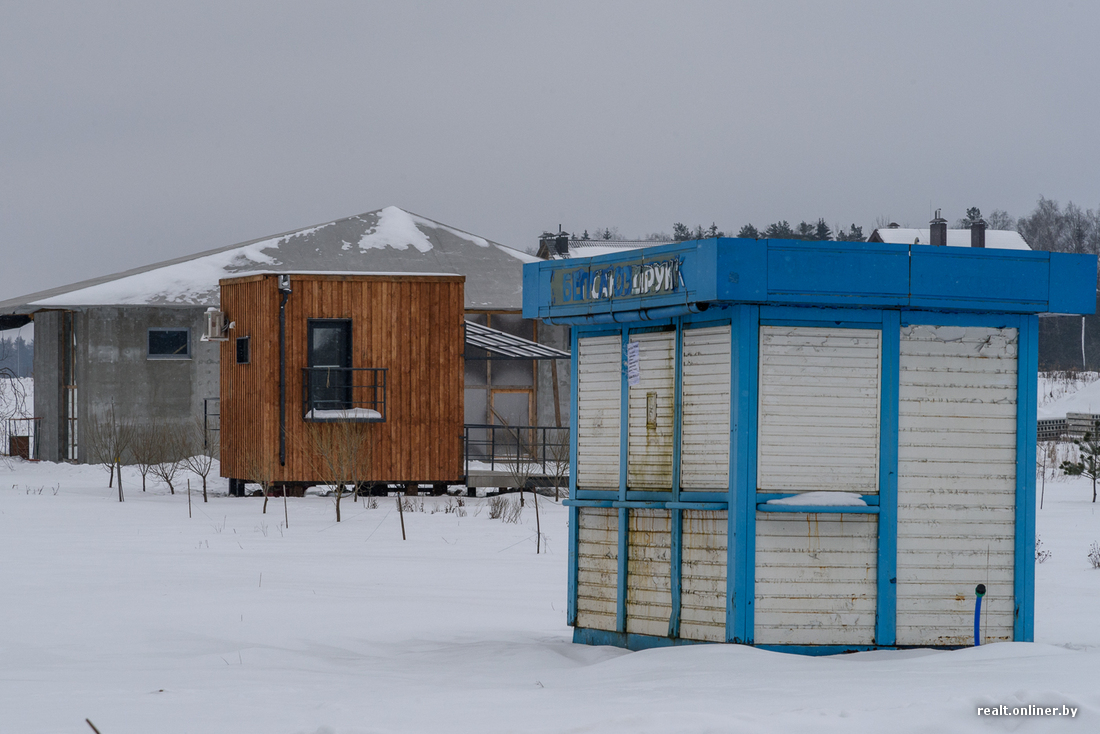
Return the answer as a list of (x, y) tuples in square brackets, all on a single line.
[(997, 239), (592, 248), (388, 240)]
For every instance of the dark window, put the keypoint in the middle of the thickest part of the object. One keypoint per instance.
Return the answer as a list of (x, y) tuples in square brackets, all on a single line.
[(244, 351), (169, 343), (329, 363)]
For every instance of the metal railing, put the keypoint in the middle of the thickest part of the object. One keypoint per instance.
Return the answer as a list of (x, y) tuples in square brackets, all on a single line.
[(542, 450), (21, 438), (344, 394), (211, 420)]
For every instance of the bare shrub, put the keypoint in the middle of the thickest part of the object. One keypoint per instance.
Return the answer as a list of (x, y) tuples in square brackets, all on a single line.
[(1094, 554), (200, 452), (513, 511), (455, 508), (341, 454), (260, 467), (109, 436), (557, 463), (497, 505), (170, 453)]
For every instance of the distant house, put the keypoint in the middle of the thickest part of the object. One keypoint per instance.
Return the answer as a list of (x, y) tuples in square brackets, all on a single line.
[(561, 246), (132, 340), (995, 239)]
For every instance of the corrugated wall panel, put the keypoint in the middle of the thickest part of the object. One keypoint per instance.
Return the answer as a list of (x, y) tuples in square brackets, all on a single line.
[(705, 421), (649, 444), (815, 579), (599, 387), (703, 576), (819, 409), (956, 483), (649, 572), (597, 567)]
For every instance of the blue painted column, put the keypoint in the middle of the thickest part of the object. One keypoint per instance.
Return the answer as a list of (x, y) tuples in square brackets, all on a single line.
[(741, 528), (1027, 376), (676, 515), (887, 592)]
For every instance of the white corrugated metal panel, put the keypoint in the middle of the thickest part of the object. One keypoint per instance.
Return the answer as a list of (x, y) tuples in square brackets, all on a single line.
[(703, 576), (956, 483), (649, 572), (599, 386), (649, 445), (705, 421), (819, 409), (815, 579), (597, 567)]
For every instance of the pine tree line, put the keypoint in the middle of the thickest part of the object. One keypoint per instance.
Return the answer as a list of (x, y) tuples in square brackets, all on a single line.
[(16, 356)]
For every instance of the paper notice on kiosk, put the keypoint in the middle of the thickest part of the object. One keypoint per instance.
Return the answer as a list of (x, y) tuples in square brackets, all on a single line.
[(633, 364)]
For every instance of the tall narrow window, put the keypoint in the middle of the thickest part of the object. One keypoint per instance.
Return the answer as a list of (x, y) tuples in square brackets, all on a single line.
[(330, 364), (244, 351)]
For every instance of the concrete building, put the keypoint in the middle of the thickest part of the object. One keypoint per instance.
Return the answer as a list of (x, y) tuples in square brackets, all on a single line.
[(814, 447), (132, 340)]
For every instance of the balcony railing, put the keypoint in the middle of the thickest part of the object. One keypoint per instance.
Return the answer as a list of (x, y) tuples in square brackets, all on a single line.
[(536, 451), (344, 394)]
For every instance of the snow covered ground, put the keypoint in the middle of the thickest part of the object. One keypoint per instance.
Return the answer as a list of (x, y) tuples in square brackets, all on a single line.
[(1068, 392), (143, 620)]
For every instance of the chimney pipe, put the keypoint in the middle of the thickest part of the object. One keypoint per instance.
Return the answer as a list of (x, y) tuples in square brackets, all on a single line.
[(561, 244), (977, 233), (938, 231)]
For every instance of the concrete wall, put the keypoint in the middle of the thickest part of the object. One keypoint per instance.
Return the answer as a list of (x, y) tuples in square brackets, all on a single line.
[(47, 383), (113, 367)]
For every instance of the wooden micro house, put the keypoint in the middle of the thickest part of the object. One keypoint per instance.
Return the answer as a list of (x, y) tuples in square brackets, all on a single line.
[(376, 354), (809, 446)]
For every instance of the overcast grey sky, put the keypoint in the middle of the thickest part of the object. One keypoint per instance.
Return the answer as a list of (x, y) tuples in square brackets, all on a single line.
[(137, 132)]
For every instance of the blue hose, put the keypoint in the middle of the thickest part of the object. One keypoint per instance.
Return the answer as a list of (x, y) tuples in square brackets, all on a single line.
[(980, 591)]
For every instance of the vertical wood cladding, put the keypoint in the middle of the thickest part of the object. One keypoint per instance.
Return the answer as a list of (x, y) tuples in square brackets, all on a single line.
[(411, 325)]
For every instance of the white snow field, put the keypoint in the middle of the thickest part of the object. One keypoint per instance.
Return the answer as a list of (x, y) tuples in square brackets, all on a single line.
[(142, 620)]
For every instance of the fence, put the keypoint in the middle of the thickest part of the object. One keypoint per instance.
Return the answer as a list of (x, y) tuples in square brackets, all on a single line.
[(21, 436), (541, 451)]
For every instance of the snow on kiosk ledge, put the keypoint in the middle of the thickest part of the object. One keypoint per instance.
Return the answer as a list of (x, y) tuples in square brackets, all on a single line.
[(822, 499)]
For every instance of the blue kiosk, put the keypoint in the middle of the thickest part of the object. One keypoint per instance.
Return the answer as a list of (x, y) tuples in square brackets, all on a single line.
[(805, 446)]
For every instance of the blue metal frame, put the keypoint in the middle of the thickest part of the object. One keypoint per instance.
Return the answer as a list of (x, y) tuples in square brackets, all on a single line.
[(887, 562), (741, 521), (845, 274), (1026, 426), (676, 516)]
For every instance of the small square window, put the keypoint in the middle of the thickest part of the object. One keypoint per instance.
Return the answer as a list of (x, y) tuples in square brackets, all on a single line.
[(244, 350), (167, 343)]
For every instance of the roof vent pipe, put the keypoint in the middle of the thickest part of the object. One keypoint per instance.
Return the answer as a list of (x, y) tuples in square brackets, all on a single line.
[(938, 231), (977, 233)]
